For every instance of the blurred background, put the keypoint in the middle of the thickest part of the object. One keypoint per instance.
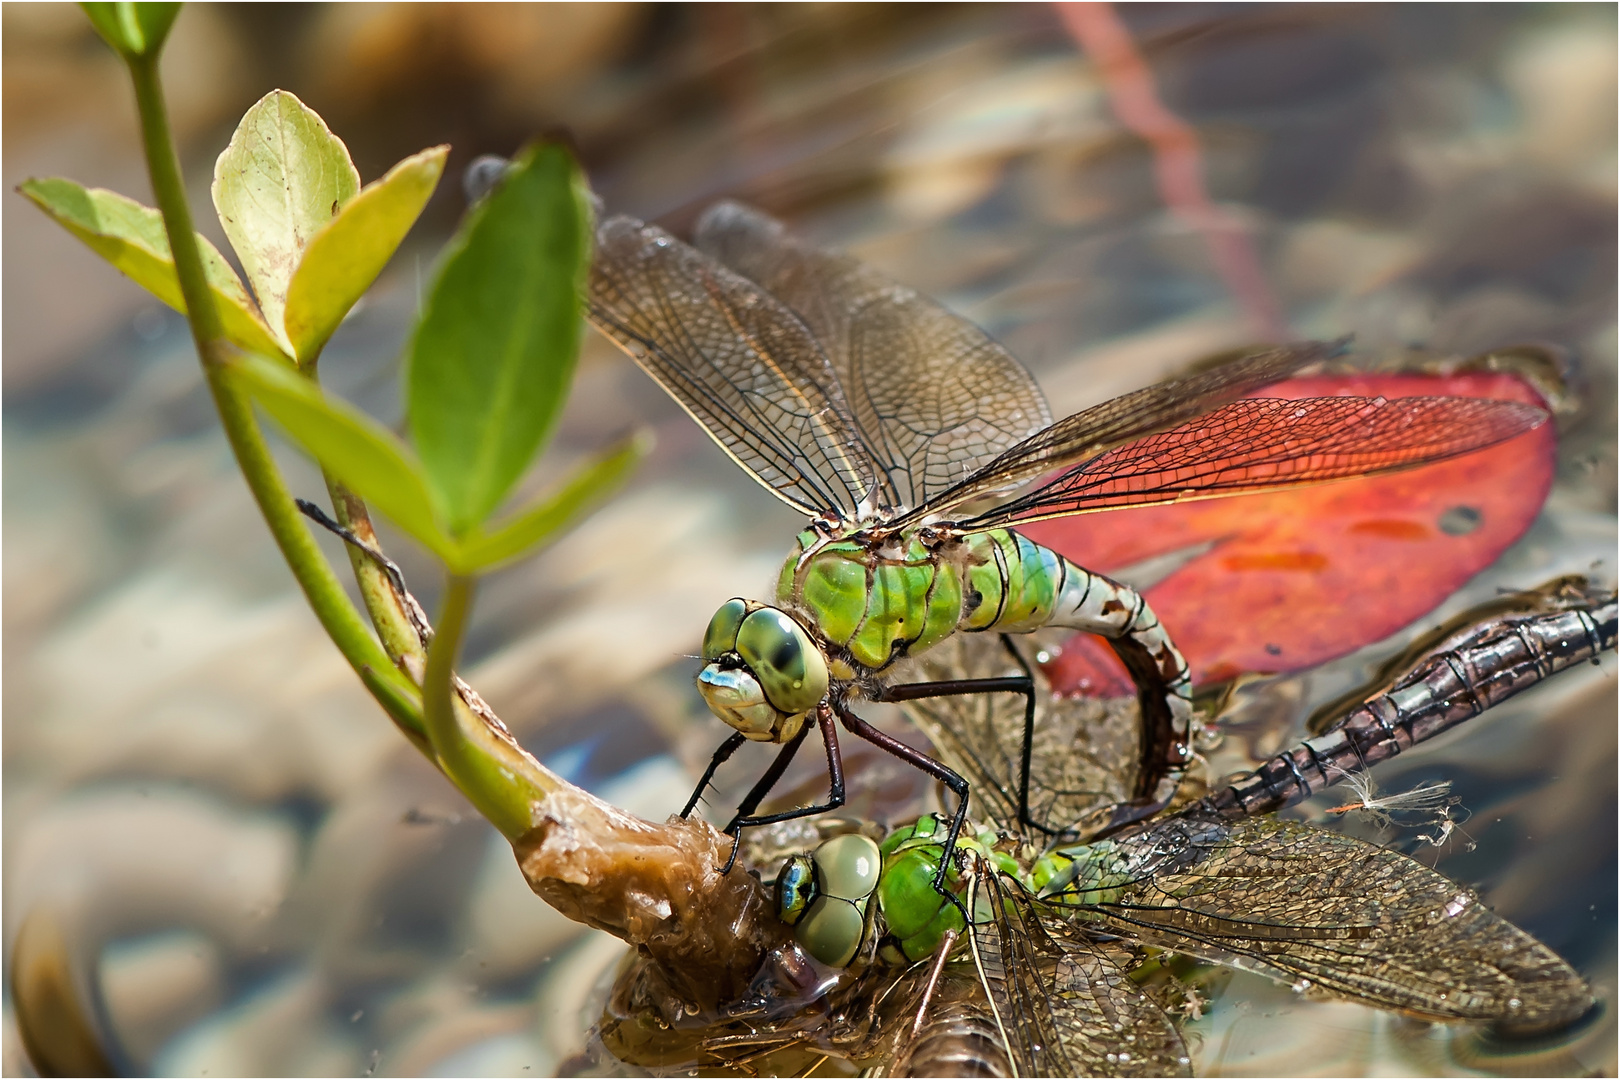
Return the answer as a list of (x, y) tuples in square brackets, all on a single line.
[(253, 873)]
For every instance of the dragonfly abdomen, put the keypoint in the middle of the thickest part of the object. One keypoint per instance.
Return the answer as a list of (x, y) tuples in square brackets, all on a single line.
[(960, 1038), (882, 603), (1016, 585)]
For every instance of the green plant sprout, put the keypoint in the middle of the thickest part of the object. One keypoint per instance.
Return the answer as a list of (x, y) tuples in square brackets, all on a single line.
[(488, 367)]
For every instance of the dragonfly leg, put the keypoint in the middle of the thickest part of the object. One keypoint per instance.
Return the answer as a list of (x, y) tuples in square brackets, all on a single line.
[(762, 787), (1024, 816), (1014, 684), (721, 755), (835, 792), (938, 770)]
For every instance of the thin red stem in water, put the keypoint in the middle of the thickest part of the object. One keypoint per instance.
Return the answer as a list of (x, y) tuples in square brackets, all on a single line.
[(1178, 164)]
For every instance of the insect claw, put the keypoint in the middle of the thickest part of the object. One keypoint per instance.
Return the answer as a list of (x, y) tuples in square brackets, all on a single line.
[(736, 845)]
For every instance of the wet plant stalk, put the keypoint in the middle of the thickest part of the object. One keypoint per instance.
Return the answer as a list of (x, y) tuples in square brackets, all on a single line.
[(386, 608), (461, 744)]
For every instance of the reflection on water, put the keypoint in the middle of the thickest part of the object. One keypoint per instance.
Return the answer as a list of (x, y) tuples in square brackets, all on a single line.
[(193, 777)]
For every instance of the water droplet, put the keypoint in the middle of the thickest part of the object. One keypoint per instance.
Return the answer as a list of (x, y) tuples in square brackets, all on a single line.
[(1514, 1003)]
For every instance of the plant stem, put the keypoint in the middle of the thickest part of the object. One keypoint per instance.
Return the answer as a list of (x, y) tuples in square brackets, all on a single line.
[(314, 574), (497, 776), (388, 617), (387, 611), (475, 751), (163, 166)]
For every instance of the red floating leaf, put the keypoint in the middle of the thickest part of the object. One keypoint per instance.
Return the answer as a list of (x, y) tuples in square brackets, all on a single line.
[(1295, 578)]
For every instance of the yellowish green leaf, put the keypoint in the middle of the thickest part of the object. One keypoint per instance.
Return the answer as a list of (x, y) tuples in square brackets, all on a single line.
[(283, 177), (360, 452), (342, 260), (132, 238)]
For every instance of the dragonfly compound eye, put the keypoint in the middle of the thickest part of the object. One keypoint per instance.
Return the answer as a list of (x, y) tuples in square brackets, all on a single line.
[(721, 636), (834, 924), (788, 665), (795, 888)]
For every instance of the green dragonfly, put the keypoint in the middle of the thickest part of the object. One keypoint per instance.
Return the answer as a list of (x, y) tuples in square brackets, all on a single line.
[(890, 424), (1057, 939)]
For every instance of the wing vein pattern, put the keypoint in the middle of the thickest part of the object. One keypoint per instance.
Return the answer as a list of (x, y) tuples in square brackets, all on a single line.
[(1296, 902), (1269, 443), (1066, 1001), (736, 359), (932, 396), (1086, 434)]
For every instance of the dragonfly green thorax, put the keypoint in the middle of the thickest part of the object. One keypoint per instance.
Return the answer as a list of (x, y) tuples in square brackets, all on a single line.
[(875, 598)]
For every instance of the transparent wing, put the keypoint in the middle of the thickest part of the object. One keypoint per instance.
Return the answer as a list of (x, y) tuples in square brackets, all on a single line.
[(1300, 903), (1064, 1003), (933, 397), (1121, 420), (1268, 443), (1083, 755), (737, 360)]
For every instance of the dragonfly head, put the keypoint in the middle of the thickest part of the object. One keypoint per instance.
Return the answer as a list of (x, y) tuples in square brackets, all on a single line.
[(826, 897), (762, 674)]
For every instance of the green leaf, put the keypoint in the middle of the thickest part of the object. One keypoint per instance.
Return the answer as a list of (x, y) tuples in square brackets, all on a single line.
[(132, 238), (494, 351), (283, 177), (133, 29), (342, 260), (366, 456), (582, 493)]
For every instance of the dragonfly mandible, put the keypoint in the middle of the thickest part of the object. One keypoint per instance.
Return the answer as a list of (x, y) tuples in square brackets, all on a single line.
[(889, 422), (1054, 939)]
